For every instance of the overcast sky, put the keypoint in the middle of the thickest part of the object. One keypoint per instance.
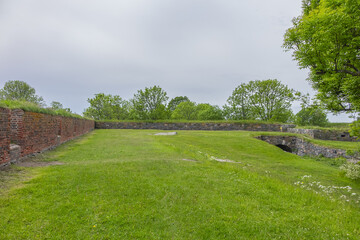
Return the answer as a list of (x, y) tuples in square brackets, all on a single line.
[(69, 50)]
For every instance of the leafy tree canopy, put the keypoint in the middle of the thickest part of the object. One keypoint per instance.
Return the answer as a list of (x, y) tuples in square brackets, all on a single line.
[(206, 111), (193, 111), (311, 113), (21, 91), (261, 99), (58, 107), (149, 104), (325, 38), (238, 104), (355, 129), (107, 107), (176, 101), (185, 111)]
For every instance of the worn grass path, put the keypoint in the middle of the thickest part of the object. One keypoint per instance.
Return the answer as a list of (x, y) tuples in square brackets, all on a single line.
[(129, 184)]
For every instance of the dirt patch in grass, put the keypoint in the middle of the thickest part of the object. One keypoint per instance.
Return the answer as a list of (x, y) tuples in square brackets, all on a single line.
[(225, 160), (38, 164), (189, 160)]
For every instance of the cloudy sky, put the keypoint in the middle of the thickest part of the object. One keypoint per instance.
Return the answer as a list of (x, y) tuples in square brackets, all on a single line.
[(69, 50)]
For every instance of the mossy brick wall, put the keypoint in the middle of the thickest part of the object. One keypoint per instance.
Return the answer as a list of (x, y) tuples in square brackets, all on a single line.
[(36, 132), (4, 135), (194, 126)]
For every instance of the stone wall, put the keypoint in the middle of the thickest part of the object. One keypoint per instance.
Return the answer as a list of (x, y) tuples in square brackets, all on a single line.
[(334, 135), (4, 135), (223, 126), (30, 132), (302, 147)]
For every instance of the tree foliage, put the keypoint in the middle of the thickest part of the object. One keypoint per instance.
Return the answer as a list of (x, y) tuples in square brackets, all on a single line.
[(205, 111), (57, 106), (325, 38), (21, 91), (355, 129), (271, 100), (176, 101), (107, 107), (238, 105), (193, 111), (185, 111), (149, 104), (311, 114), (263, 100)]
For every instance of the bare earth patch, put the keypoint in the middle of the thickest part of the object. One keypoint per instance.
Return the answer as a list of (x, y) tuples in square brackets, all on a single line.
[(38, 164), (225, 160), (166, 134), (189, 160)]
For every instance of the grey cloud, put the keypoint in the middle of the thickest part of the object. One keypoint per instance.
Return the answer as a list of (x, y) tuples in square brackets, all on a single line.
[(69, 50)]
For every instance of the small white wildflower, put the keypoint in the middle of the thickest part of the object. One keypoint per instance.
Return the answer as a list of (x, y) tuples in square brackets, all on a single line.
[(306, 176), (353, 194)]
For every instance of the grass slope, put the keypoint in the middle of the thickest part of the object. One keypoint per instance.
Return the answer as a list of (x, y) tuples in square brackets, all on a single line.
[(130, 184)]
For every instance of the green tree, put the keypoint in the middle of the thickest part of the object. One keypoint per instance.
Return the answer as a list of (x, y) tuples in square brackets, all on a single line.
[(149, 104), (57, 106), (311, 116), (325, 39), (238, 105), (270, 100), (21, 91), (311, 113), (107, 107), (205, 111), (355, 129), (176, 101), (185, 111), (263, 100)]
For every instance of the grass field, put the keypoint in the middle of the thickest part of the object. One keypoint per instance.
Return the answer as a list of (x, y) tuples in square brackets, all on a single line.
[(130, 184)]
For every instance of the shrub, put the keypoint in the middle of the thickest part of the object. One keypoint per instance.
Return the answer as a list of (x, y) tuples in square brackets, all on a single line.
[(351, 170)]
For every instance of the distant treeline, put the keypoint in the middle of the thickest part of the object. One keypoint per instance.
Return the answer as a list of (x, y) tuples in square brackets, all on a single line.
[(264, 100)]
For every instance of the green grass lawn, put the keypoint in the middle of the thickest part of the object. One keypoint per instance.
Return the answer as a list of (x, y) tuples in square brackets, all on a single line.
[(130, 184)]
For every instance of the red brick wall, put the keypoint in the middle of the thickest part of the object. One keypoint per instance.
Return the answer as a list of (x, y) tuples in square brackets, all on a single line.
[(36, 132), (73, 127), (4, 135)]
